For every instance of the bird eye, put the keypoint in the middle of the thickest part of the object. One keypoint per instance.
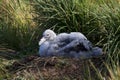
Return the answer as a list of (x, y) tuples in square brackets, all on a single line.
[(47, 34)]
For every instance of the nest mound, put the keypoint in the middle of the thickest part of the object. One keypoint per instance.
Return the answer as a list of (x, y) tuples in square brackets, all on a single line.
[(54, 68)]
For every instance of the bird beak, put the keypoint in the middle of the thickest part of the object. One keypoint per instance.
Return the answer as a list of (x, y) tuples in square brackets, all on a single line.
[(42, 41)]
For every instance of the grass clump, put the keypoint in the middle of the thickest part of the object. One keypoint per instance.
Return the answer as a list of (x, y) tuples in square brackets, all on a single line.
[(94, 19), (15, 12), (17, 28)]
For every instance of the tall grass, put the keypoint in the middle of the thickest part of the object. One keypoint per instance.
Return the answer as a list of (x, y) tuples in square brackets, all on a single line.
[(98, 20), (15, 12), (87, 16), (17, 28)]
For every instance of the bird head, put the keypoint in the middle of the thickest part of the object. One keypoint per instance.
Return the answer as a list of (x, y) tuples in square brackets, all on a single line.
[(48, 35)]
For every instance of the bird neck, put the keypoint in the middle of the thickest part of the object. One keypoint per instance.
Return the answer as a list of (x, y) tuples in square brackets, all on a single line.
[(53, 37)]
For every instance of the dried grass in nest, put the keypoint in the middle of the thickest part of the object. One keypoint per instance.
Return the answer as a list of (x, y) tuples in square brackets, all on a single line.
[(52, 68)]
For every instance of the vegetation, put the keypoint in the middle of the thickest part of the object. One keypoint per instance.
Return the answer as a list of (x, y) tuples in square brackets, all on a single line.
[(17, 27), (23, 21)]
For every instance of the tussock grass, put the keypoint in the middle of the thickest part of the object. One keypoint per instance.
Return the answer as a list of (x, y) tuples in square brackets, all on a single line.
[(15, 12), (94, 19), (17, 28)]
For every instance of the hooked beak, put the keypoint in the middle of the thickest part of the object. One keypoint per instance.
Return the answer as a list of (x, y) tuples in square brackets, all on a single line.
[(42, 41)]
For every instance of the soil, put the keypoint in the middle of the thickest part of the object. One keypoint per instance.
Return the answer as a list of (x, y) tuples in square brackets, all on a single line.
[(33, 67), (55, 68)]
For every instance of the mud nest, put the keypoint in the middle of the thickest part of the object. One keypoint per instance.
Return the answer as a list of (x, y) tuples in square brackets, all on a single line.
[(55, 68)]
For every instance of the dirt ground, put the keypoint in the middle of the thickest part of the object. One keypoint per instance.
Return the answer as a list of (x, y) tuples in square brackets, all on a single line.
[(54, 68), (33, 67)]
